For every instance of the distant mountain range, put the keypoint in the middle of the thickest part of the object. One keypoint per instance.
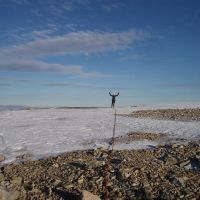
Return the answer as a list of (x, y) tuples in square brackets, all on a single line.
[(17, 107), (13, 107)]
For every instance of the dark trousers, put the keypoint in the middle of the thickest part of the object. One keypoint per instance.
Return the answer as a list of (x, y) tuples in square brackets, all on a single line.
[(113, 104)]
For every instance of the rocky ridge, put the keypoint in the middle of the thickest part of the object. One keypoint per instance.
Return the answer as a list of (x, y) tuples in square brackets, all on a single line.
[(169, 114)]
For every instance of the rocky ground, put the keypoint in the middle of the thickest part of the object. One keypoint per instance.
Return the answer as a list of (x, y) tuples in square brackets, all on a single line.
[(165, 172), (169, 114)]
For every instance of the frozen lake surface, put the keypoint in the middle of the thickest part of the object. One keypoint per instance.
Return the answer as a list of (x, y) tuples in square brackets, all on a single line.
[(45, 132)]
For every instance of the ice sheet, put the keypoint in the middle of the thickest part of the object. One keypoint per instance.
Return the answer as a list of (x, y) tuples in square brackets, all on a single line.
[(51, 131)]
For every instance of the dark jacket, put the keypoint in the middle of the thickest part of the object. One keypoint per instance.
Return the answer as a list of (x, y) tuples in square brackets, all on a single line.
[(114, 96)]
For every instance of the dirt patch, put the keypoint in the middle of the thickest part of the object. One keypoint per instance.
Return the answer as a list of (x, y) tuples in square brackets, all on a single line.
[(130, 137)]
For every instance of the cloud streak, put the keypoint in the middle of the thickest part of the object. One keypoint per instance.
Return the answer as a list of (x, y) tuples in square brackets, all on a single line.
[(82, 85), (180, 85), (4, 84), (24, 57), (38, 66), (76, 43), (69, 85)]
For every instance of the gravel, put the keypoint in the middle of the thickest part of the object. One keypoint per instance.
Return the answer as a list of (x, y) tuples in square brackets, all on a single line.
[(165, 172), (169, 114)]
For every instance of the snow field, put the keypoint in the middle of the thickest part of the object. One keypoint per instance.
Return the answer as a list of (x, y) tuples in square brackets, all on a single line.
[(51, 131)]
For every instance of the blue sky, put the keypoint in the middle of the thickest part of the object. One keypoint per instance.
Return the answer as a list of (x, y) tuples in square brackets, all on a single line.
[(73, 52)]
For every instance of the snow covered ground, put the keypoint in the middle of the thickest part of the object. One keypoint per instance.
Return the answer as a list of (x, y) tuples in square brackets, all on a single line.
[(50, 131)]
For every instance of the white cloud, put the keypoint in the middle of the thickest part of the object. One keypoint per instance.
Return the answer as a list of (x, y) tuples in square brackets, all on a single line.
[(82, 85), (11, 79), (38, 66), (60, 7), (24, 57), (56, 9), (32, 35), (81, 42)]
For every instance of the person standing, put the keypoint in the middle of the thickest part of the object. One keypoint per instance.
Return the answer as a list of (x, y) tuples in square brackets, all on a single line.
[(113, 99)]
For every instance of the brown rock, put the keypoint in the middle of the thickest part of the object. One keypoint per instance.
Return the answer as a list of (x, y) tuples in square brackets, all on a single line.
[(2, 158), (25, 157), (8, 194), (17, 180), (171, 160), (1, 177), (89, 196)]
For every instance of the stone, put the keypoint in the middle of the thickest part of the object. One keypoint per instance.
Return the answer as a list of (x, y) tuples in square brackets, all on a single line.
[(48, 191), (80, 180), (55, 165), (57, 182), (175, 145), (195, 163), (185, 163), (1, 177), (8, 194), (181, 181), (163, 157), (35, 190), (135, 184), (89, 196), (148, 190), (2, 157), (69, 186), (127, 174), (25, 157), (171, 160), (99, 180), (17, 180)]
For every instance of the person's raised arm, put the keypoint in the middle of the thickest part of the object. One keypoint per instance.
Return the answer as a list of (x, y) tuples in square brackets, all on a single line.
[(117, 94), (110, 94)]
